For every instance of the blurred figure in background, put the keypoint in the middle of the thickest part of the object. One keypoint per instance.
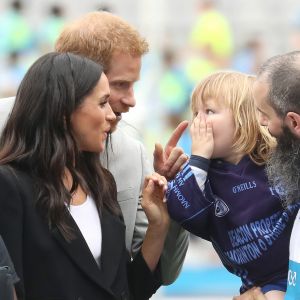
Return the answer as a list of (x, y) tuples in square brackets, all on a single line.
[(11, 74), (16, 45), (249, 58), (174, 93), (105, 7), (174, 87), (211, 42), (212, 35), (50, 28), (15, 32)]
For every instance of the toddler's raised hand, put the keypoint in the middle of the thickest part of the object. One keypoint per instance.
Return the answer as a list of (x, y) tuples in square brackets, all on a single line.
[(202, 136)]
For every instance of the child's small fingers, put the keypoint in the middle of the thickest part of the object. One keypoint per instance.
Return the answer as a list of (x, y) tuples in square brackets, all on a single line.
[(196, 123), (203, 125), (209, 127)]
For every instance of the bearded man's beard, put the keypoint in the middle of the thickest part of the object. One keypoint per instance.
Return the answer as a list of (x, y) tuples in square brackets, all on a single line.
[(283, 167)]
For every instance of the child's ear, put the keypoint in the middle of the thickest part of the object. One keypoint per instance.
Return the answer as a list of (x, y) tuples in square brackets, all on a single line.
[(292, 120)]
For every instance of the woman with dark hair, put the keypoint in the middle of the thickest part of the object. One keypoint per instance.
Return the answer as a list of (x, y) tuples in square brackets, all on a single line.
[(59, 215)]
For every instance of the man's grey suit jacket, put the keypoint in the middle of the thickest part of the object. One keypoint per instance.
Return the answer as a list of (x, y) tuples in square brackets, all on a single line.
[(127, 160)]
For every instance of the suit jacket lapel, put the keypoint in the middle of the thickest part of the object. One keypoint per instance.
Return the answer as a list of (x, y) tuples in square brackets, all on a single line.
[(113, 245), (79, 252)]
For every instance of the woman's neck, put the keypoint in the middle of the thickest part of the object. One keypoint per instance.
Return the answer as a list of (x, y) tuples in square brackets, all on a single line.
[(79, 195)]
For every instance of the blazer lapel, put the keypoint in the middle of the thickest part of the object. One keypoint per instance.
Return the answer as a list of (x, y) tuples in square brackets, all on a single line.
[(78, 251), (113, 245)]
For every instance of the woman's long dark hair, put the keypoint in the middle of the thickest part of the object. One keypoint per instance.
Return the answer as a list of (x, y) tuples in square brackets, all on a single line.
[(38, 136)]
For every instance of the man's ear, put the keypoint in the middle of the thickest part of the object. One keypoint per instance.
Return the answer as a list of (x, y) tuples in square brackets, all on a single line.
[(292, 121)]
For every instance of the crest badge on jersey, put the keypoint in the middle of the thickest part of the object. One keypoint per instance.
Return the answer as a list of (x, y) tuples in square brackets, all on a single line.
[(221, 208)]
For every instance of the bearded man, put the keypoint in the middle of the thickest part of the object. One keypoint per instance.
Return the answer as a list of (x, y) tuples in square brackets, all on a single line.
[(277, 98)]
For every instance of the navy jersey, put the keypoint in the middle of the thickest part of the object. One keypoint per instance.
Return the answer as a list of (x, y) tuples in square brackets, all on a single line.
[(239, 213)]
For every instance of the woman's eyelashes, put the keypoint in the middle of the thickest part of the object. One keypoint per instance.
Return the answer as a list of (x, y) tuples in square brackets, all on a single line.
[(103, 103)]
